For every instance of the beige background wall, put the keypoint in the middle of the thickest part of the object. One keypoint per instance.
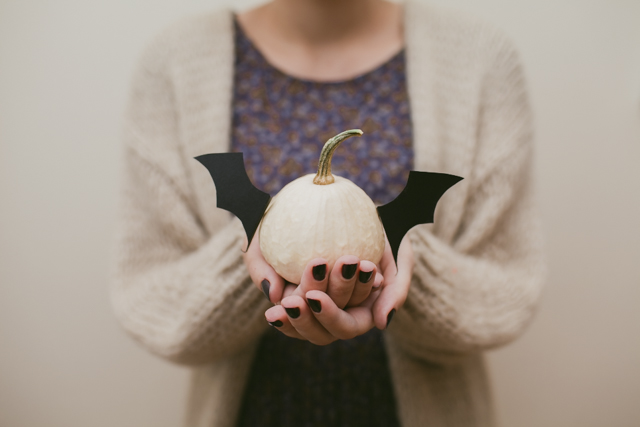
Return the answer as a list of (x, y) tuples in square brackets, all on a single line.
[(64, 72)]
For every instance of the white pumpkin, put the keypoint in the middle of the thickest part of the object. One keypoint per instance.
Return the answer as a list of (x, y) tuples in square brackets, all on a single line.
[(320, 216)]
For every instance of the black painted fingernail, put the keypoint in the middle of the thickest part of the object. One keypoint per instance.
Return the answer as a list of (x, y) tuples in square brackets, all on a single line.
[(365, 276), (277, 323), (349, 270), (265, 288), (390, 316), (319, 271), (315, 305), (293, 312)]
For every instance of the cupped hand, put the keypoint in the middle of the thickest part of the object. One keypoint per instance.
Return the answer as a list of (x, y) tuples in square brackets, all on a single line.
[(313, 310)]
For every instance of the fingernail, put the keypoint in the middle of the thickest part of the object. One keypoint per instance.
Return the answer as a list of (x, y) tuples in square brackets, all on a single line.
[(293, 312), (390, 316), (315, 305), (277, 323), (349, 270), (365, 276), (319, 271), (265, 288)]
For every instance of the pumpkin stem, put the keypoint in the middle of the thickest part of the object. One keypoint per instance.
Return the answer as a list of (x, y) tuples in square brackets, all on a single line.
[(324, 177)]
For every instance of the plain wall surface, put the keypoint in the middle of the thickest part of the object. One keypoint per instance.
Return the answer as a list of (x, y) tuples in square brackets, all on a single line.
[(65, 67)]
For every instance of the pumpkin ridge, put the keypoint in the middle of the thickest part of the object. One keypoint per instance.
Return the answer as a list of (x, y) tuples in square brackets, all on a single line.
[(350, 208), (318, 248)]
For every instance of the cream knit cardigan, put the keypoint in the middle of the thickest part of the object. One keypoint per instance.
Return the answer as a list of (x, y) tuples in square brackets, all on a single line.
[(182, 289)]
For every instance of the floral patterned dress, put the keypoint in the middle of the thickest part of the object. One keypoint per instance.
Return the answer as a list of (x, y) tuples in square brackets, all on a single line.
[(280, 123)]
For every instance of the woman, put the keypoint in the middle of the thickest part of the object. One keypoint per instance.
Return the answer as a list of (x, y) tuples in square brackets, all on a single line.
[(436, 92)]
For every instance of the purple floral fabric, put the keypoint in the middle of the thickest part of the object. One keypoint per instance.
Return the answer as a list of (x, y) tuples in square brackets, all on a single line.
[(280, 123)]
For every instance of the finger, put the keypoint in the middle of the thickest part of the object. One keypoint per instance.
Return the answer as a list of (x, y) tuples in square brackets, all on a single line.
[(394, 293), (379, 281), (277, 317), (262, 274), (390, 299), (373, 297), (375, 286), (342, 324), (289, 289), (304, 322), (365, 280), (387, 263), (314, 277), (342, 279)]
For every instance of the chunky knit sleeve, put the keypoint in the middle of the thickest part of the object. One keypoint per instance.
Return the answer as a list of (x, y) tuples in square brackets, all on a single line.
[(180, 290), (479, 288)]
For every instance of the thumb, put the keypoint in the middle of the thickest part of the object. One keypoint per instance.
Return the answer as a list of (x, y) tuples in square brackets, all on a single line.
[(397, 282), (262, 274)]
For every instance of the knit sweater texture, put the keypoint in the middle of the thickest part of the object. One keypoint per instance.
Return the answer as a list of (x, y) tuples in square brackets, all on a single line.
[(183, 291)]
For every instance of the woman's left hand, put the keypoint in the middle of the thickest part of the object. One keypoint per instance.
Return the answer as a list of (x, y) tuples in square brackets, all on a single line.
[(311, 311)]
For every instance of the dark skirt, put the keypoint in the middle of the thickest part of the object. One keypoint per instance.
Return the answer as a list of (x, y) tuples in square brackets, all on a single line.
[(295, 383)]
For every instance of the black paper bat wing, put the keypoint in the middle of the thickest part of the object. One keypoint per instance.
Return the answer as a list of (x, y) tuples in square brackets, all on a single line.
[(415, 205), (234, 190)]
